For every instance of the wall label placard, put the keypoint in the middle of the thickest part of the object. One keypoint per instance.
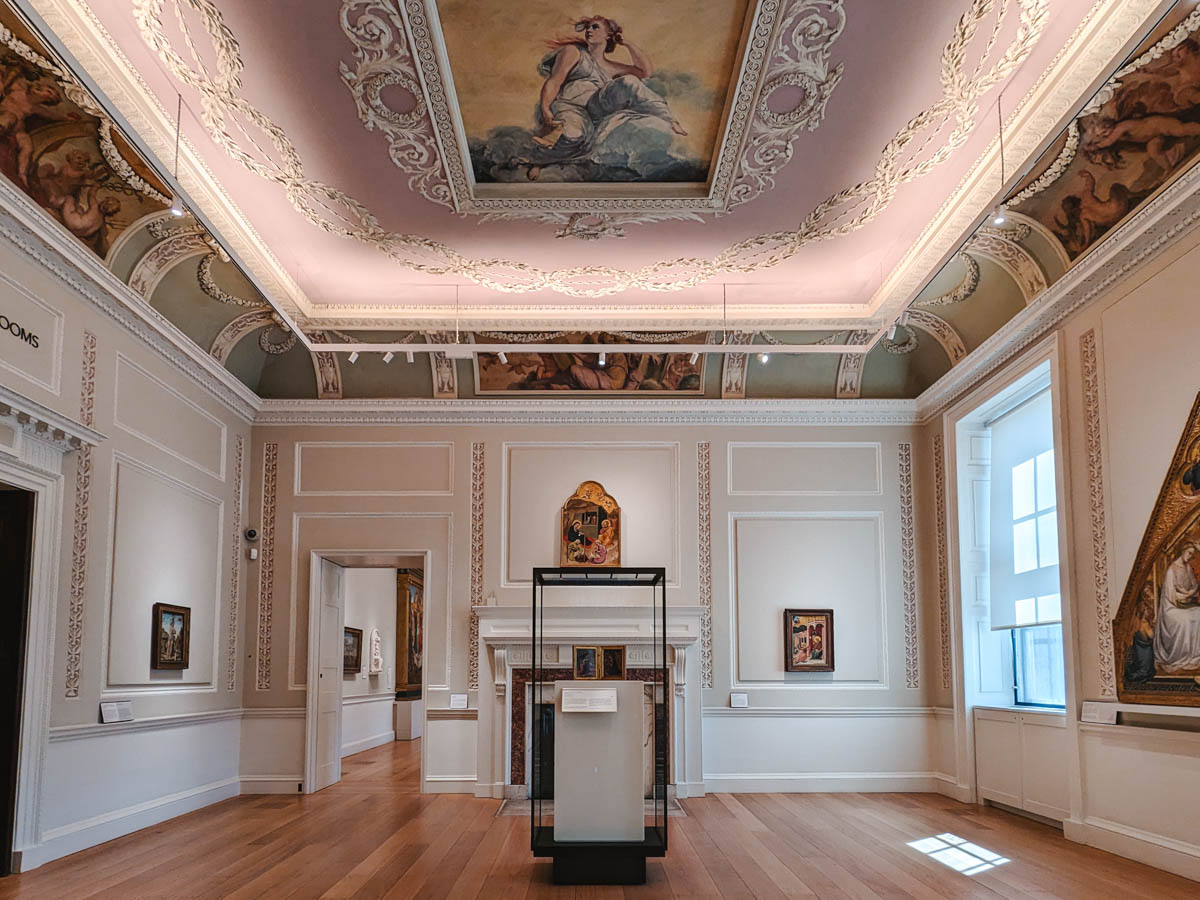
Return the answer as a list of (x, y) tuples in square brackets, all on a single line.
[(458, 701), (589, 700), (14, 329), (116, 711), (1098, 712)]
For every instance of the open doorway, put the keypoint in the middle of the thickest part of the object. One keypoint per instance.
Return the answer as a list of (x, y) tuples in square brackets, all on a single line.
[(16, 544), (366, 658)]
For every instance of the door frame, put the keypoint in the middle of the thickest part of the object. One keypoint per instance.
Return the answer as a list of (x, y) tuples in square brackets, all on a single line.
[(314, 646), (47, 488)]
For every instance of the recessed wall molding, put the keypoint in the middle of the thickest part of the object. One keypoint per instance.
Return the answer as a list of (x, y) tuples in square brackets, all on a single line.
[(50, 339), (266, 568), (908, 561), (477, 535), (815, 468), (235, 563), (79, 544), (943, 578), (704, 539), (396, 468)]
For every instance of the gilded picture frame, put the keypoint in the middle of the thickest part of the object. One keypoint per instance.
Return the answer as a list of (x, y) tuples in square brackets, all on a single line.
[(352, 647), (612, 663), (808, 640), (170, 636), (591, 528), (585, 663)]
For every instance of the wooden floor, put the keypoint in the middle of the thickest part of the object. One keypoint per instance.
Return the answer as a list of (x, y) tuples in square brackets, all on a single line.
[(374, 835)]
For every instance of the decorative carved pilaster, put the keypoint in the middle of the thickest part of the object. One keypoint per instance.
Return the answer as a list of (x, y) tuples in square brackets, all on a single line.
[(1093, 431), (477, 460), (266, 571), (79, 545), (912, 670), (235, 563), (704, 533), (679, 670), (500, 674), (939, 484)]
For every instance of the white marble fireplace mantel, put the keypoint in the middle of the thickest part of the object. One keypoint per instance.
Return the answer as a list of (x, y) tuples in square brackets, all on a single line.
[(506, 643)]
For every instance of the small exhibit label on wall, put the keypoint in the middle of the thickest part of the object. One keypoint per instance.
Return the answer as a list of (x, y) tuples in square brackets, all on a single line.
[(116, 711), (458, 701), (589, 700), (739, 700), (1099, 712)]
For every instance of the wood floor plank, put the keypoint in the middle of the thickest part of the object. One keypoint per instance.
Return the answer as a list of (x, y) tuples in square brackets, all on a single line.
[(375, 835)]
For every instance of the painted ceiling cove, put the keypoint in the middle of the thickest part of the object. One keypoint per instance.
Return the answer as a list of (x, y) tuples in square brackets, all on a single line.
[(377, 195)]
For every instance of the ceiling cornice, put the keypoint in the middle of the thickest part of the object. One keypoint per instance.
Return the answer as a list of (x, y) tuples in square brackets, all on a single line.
[(592, 412)]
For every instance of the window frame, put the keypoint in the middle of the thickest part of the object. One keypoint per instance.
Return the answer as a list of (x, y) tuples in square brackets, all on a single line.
[(1016, 674)]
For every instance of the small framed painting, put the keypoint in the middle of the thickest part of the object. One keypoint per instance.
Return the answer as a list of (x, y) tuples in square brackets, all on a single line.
[(808, 640), (612, 663), (170, 636), (586, 662), (352, 650)]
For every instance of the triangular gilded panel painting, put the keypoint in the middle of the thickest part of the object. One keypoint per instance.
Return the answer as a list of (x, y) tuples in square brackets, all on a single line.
[(1157, 629)]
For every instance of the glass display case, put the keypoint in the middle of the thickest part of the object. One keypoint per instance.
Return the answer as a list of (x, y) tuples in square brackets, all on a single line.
[(599, 718)]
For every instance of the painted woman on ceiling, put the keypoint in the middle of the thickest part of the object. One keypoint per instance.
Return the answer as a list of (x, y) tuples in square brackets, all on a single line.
[(596, 118)]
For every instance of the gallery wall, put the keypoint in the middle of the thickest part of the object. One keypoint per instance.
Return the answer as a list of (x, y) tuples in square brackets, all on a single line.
[(369, 596), (819, 516), (150, 515)]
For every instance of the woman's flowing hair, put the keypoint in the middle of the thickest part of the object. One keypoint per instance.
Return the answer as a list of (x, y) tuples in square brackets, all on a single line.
[(614, 35)]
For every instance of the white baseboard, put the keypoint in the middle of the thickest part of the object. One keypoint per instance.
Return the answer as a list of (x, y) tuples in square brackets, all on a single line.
[(368, 743), (271, 784), (449, 784), (490, 791), (947, 786), (689, 789), (822, 782), (1155, 850), (66, 839)]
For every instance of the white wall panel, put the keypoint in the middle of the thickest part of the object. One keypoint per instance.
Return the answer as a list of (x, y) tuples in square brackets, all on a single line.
[(814, 560), (812, 468), (31, 335), (384, 469), (167, 548), (450, 754)]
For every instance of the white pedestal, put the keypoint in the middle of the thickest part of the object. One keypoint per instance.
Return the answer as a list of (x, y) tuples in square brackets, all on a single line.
[(408, 717)]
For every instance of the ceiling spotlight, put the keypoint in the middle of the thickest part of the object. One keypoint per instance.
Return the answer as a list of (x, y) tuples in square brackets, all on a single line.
[(764, 357), (998, 217), (695, 356), (602, 358), (353, 358), (409, 355), (176, 209), (892, 331), (503, 357), (388, 357)]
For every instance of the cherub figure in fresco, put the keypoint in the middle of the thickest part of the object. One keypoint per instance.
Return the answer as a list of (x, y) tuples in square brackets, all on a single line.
[(1162, 136), (22, 97), (71, 180), (88, 219), (1085, 216)]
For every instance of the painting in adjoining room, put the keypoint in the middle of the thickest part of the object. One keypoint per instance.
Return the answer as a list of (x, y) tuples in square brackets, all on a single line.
[(591, 528), (586, 662), (808, 640), (625, 92), (1157, 630), (170, 636), (1141, 130), (612, 663), (58, 148), (410, 632), (553, 373), (352, 647)]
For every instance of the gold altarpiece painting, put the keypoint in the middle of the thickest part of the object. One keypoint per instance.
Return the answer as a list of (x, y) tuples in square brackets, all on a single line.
[(1157, 630), (591, 528), (410, 632)]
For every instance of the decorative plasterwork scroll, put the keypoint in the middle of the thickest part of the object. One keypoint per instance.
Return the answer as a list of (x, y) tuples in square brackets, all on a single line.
[(943, 575), (1093, 434), (942, 331), (79, 545), (229, 336), (477, 530), (235, 562), (266, 569), (704, 537), (1002, 247), (164, 256), (328, 369), (972, 64), (850, 367), (733, 370), (908, 560), (961, 291), (445, 376)]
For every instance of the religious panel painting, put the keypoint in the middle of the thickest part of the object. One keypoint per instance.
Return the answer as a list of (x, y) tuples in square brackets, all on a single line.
[(410, 632), (554, 373), (591, 528), (170, 636), (808, 640), (58, 147), (1157, 629), (352, 647), (631, 92), (1137, 134)]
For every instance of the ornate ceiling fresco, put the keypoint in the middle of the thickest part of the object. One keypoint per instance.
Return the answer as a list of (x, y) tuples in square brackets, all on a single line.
[(688, 172)]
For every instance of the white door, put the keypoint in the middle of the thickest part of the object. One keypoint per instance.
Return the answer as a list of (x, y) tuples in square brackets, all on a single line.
[(329, 678)]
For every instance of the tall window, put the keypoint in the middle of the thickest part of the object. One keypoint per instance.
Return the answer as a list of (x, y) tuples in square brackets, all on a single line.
[(1023, 552)]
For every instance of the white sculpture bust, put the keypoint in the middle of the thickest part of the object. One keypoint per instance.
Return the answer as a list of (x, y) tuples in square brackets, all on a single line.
[(376, 653)]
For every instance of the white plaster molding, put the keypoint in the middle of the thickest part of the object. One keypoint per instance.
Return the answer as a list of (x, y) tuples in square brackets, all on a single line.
[(943, 577), (821, 712), (266, 569), (596, 411), (235, 562), (908, 560), (236, 329), (38, 421), (704, 550), (477, 557), (83, 494), (1001, 247)]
